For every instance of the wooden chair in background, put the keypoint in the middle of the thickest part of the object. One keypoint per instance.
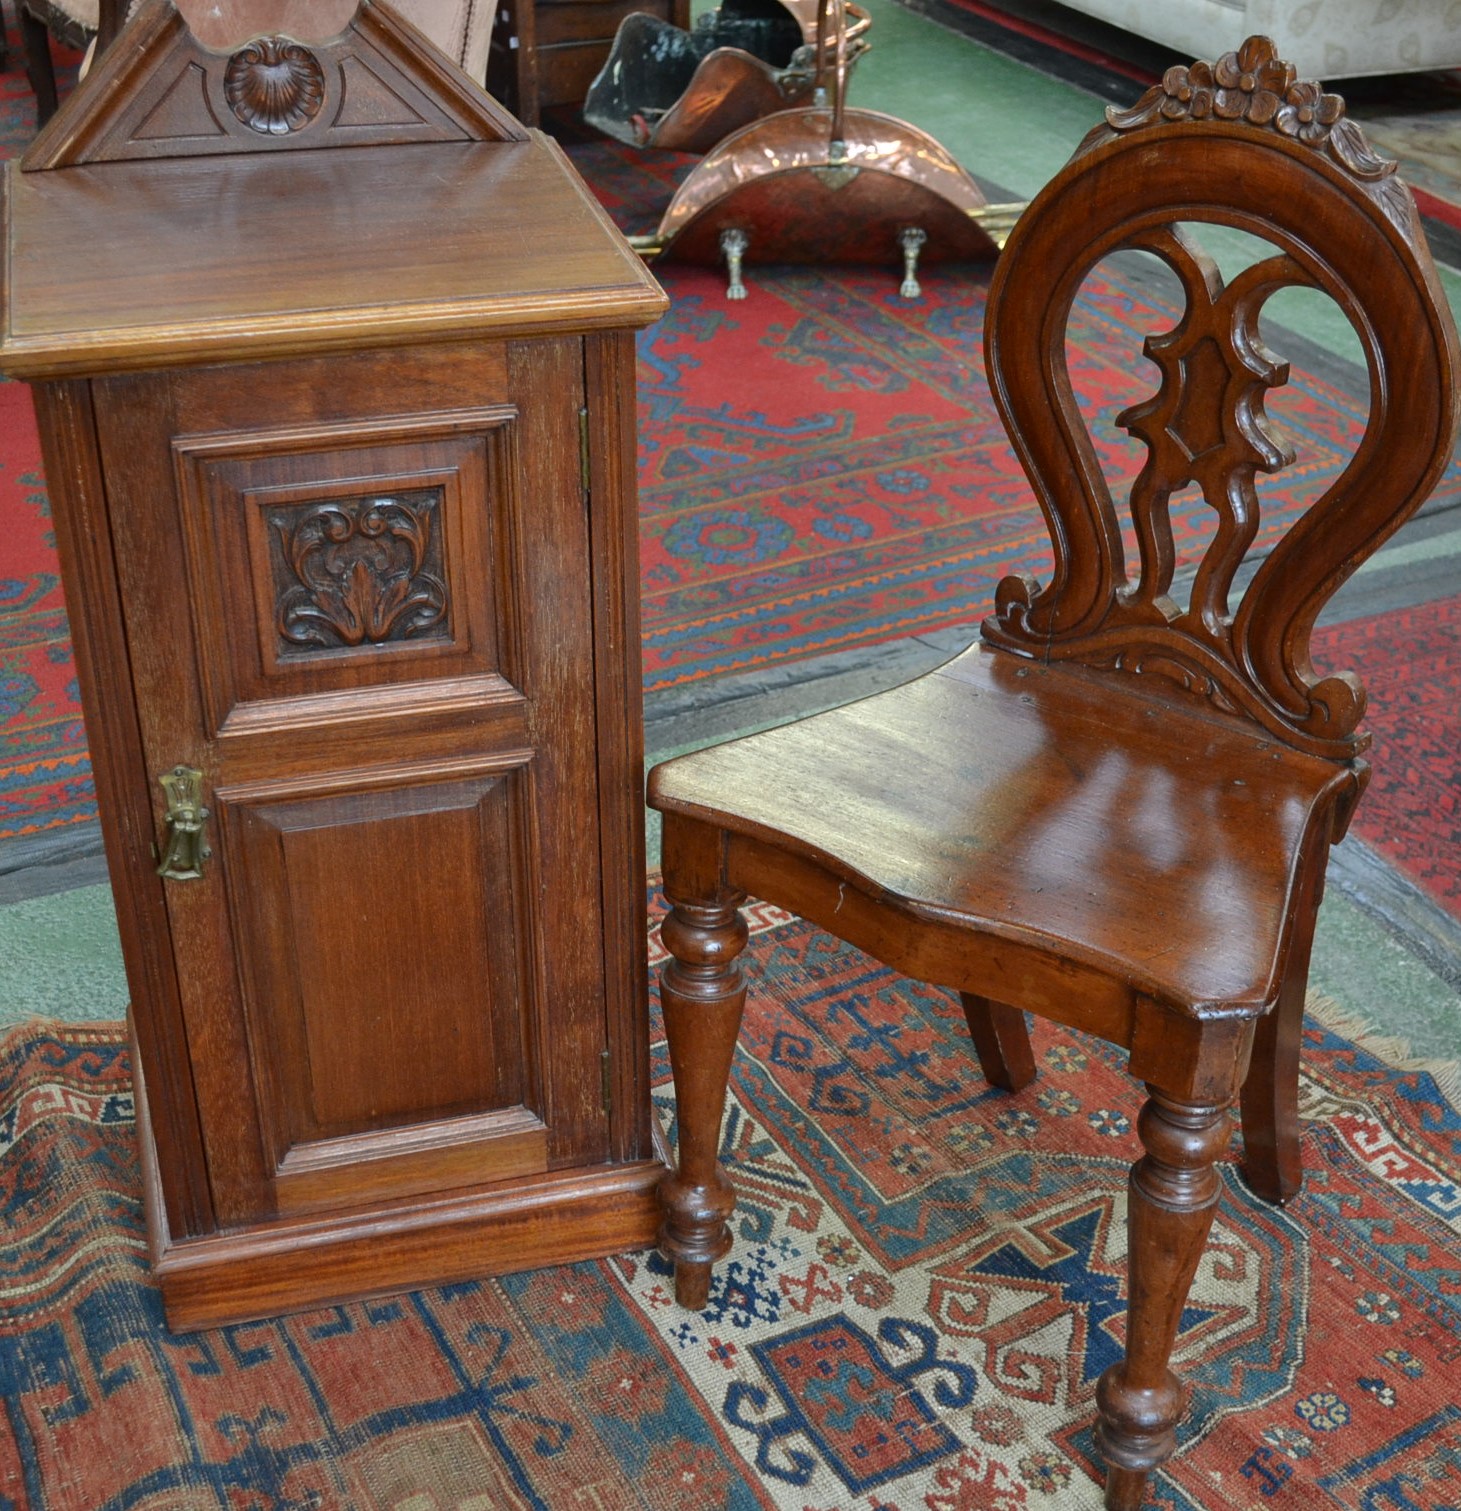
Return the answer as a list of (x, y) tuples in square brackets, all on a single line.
[(1116, 810)]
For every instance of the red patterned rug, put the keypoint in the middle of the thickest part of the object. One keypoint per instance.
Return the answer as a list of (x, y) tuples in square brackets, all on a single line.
[(1411, 663), (926, 1282), (820, 468), (45, 775)]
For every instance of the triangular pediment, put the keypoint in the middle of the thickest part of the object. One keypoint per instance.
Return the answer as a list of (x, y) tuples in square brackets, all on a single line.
[(159, 93)]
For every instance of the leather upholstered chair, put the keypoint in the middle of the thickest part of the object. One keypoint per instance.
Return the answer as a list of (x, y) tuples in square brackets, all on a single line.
[(1116, 809), (462, 29)]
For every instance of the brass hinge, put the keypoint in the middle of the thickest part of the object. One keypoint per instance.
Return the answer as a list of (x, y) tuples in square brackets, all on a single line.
[(607, 1072), (583, 468)]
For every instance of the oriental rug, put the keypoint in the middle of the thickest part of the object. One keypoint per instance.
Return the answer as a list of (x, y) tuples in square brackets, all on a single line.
[(1410, 660), (821, 466), (927, 1278), (45, 774)]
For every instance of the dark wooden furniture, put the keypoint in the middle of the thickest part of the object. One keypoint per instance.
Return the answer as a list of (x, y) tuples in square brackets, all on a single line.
[(548, 52), (1116, 810), (340, 443), (40, 20)]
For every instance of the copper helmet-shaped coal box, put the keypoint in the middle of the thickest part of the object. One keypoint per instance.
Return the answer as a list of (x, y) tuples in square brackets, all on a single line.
[(824, 183), (687, 90)]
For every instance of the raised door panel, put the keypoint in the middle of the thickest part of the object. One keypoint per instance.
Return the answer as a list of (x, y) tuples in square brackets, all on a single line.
[(328, 559), (363, 615), (375, 1076)]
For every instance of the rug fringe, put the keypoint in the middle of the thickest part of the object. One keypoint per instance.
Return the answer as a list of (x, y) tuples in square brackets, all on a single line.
[(76, 1030), (1391, 1048)]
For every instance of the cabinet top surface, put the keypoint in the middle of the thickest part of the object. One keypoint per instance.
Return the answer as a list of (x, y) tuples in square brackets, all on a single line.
[(128, 265)]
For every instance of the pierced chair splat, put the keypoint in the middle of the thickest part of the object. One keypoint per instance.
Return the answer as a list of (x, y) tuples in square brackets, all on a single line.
[(1116, 810)]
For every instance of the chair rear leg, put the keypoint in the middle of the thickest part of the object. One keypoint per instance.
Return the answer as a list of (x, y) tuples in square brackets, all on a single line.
[(1001, 1040), (703, 992), (1272, 1163)]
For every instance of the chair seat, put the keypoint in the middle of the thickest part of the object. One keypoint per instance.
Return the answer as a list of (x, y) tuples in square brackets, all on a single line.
[(1132, 829)]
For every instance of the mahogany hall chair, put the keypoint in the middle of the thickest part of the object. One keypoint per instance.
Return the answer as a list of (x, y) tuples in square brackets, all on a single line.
[(1115, 810)]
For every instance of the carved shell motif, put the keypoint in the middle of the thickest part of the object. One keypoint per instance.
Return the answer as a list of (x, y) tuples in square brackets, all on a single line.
[(274, 86)]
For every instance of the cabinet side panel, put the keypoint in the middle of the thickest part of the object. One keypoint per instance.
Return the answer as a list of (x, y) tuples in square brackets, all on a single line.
[(554, 567), (614, 522), (103, 665)]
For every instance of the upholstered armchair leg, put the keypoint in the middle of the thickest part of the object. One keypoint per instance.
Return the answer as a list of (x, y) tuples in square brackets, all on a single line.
[(1174, 1194), (703, 992), (1001, 1040), (39, 69)]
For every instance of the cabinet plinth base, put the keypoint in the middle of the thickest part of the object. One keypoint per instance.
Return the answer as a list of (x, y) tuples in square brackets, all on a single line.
[(297, 1264)]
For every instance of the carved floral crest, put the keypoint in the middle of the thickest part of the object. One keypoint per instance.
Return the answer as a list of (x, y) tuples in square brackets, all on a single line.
[(1256, 86)]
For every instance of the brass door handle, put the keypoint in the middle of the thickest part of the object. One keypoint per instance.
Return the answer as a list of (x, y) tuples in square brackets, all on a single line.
[(187, 844)]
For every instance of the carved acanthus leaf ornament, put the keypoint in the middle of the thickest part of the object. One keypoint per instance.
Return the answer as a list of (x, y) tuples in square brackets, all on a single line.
[(359, 572)]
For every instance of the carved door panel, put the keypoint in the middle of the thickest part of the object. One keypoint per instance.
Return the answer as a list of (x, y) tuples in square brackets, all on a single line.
[(359, 605)]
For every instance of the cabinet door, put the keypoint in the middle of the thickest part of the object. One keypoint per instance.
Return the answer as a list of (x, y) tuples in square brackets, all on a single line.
[(358, 604)]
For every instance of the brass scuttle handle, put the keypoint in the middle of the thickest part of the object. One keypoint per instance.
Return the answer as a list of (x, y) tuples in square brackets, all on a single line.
[(187, 845)]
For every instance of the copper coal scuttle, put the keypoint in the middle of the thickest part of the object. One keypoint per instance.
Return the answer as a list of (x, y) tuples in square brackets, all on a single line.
[(791, 173)]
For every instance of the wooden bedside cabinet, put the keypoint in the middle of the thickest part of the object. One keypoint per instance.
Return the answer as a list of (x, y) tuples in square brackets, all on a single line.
[(334, 368)]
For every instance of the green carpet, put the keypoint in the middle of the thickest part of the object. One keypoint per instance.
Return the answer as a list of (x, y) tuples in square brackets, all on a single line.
[(60, 958)]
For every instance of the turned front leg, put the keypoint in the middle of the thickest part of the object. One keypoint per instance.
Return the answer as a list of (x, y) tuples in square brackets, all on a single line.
[(1174, 1195), (703, 991)]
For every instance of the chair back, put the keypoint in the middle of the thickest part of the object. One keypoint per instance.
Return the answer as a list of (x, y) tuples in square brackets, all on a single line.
[(462, 29), (1241, 143)]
